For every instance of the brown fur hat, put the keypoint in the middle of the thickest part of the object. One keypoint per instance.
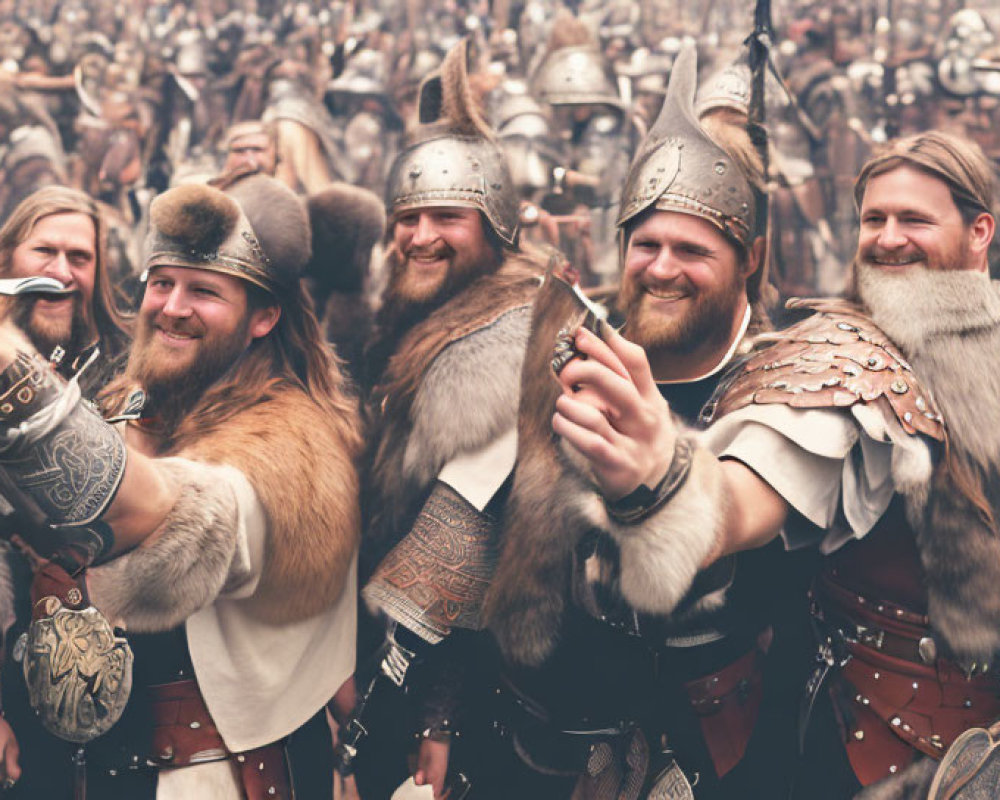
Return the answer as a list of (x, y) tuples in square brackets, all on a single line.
[(198, 218), (347, 222), (281, 223)]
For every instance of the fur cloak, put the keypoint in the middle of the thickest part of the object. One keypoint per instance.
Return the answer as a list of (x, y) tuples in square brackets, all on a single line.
[(450, 387), (950, 331), (301, 465)]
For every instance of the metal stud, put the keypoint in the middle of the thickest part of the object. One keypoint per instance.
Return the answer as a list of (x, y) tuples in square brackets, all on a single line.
[(260, 766), (195, 725), (899, 386), (877, 675), (859, 735), (927, 649), (916, 685), (921, 404), (241, 758), (967, 703), (893, 769), (895, 721)]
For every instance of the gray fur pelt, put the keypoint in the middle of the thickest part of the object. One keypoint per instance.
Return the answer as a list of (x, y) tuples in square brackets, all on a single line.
[(185, 563), (948, 325), (554, 501), (468, 397)]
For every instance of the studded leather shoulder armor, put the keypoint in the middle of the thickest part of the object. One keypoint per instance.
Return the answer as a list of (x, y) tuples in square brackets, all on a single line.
[(836, 357)]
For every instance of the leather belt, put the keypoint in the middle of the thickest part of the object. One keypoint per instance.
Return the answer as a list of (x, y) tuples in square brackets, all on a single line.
[(888, 629), (184, 734)]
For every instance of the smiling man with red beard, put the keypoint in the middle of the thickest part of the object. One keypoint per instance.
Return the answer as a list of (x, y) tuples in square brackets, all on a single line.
[(609, 673), (218, 525), (443, 371), (861, 429)]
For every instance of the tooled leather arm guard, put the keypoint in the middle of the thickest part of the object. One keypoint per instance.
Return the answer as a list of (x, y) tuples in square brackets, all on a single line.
[(57, 455)]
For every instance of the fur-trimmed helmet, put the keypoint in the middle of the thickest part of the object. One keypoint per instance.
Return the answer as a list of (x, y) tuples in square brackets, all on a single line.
[(453, 158), (679, 167), (200, 227)]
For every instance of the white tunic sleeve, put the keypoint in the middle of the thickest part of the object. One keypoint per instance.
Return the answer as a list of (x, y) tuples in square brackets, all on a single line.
[(834, 467)]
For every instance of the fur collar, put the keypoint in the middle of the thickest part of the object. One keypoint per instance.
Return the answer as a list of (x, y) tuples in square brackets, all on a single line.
[(301, 464), (450, 386)]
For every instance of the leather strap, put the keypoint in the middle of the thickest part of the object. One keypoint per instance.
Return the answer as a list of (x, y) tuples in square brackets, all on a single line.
[(184, 734)]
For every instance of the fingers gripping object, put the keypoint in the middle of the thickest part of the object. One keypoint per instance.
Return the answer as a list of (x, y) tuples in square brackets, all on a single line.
[(593, 320)]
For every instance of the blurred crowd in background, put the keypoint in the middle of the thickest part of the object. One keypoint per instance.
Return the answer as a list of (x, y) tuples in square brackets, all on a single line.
[(125, 98)]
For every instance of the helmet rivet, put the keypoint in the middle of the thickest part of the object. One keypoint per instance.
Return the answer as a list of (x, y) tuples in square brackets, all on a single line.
[(720, 167), (415, 172)]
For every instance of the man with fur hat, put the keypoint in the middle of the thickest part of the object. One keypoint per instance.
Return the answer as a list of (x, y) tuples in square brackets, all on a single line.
[(859, 430), (443, 371), (219, 525), (603, 696)]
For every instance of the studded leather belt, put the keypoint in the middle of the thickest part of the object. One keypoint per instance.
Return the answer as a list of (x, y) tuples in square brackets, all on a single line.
[(895, 697), (884, 627), (184, 734)]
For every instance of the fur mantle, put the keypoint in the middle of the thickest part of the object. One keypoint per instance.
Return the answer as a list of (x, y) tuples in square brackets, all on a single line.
[(450, 387), (954, 348), (301, 465)]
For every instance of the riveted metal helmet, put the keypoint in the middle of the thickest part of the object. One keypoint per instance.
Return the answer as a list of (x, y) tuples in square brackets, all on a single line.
[(577, 75), (453, 159), (679, 168), (728, 88)]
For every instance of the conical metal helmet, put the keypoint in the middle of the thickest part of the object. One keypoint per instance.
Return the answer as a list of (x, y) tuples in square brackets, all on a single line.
[(576, 76), (453, 159), (679, 168)]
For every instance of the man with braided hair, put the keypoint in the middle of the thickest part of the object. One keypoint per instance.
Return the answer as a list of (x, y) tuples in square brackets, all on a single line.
[(220, 523), (859, 430)]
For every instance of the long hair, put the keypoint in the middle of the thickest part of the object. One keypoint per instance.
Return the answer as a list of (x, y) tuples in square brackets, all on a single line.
[(293, 354), (113, 327)]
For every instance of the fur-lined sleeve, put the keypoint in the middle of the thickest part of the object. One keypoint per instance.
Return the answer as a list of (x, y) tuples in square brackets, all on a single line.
[(188, 560), (469, 396)]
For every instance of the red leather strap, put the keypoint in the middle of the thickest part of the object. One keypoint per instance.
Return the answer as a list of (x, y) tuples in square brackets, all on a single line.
[(185, 734)]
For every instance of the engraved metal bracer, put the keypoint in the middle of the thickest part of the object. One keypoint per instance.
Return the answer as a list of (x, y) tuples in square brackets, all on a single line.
[(78, 672), (54, 447), (436, 578)]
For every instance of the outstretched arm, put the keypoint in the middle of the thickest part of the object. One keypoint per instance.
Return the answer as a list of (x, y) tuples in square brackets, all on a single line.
[(612, 413)]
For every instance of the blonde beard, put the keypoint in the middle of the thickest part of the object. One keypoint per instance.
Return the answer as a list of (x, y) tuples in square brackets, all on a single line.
[(914, 305)]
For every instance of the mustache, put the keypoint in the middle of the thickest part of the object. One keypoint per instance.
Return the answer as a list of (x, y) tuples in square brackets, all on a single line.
[(440, 250)]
